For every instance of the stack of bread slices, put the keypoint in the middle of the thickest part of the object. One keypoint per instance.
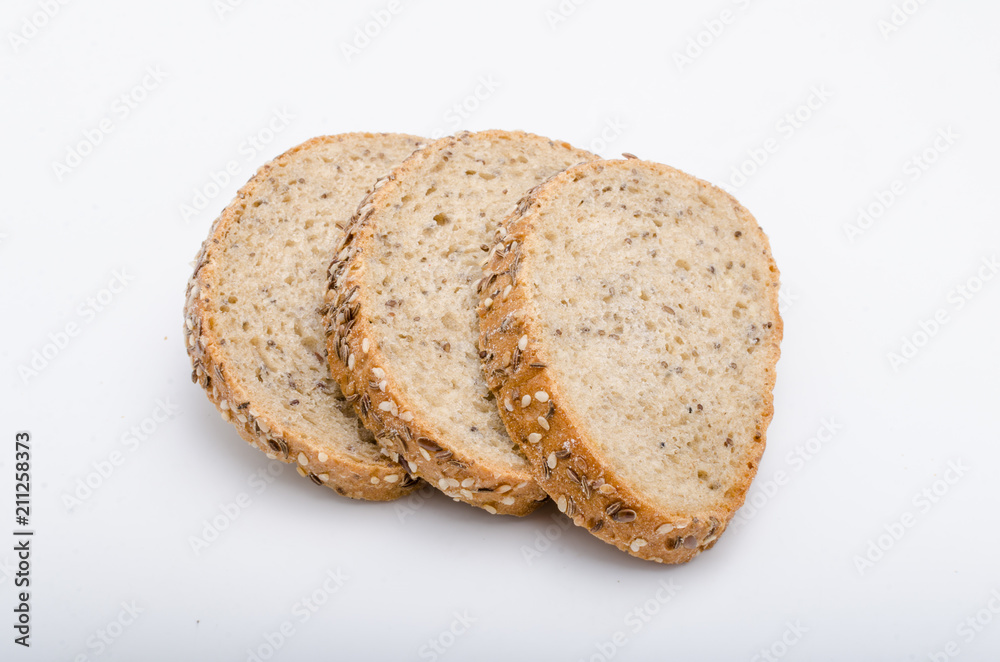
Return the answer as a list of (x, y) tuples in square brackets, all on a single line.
[(503, 316)]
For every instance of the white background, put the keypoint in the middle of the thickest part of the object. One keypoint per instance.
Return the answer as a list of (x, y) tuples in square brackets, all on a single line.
[(797, 566)]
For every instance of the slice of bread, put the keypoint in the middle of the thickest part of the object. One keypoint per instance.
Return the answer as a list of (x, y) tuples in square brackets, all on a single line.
[(401, 323), (633, 355), (253, 327)]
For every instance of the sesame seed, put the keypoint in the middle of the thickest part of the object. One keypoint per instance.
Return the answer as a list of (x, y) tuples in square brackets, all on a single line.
[(508, 405), (664, 529), (224, 405), (406, 416), (425, 454), (301, 471), (303, 459), (561, 504), (487, 302), (466, 493), (443, 484), (323, 457), (385, 405), (324, 477), (503, 488), (375, 480), (468, 482), (506, 291), (490, 509), (542, 396), (637, 544), (378, 373), (382, 384), (507, 501), (526, 400), (365, 344), (391, 478), (522, 343), (350, 362), (552, 461), (264, 427), (690, 542), (534, 438), (544, 423)]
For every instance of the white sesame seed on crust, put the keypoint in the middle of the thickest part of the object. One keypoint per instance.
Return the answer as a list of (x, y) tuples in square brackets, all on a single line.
[(522, 343), (490, 509), (324, 477), (385, 405), (425, 454), (637, 544), (487, 302), (561, 504), (544, 423), (224, 405), (350, 362), (551, 461), (507, 501), (506, 291), (406, 416), (503, 488), (378, 373), (664, 529), (525, 401), (534, 438), (468, 482), (382, 384), (302, 472), (365, 344), (508, 405), (322, 457), (542, 396), (375, 480), (303, 459), (391, 478)]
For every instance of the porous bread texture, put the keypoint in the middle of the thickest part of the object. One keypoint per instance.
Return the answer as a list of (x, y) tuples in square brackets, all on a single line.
[(253, 323), (401, 325), (634, 355)]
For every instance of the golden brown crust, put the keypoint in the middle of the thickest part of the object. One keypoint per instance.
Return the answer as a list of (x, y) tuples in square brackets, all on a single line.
[(346, 475), (567, 465), (358, 365)]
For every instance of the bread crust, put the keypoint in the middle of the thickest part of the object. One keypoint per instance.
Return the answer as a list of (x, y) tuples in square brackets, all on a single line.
[(567, 464), (354, 355), (346, 475)]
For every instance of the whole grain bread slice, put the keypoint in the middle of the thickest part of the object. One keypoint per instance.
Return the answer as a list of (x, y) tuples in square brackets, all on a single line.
[(253, 323), (401, 322), (642, 304)]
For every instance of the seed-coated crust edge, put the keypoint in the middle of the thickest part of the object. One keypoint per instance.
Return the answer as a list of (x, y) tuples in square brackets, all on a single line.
[(581, 483), (345, 475), (491, 487)]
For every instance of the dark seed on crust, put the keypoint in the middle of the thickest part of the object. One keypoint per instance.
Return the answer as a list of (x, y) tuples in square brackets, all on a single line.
[(407, 480), (443, 455), (598, 525), (573, 476), (537, 365), (562, 454), (274, 445), (314, 478), (690, 542), (613, 508), (624, 516), (428, 445)]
